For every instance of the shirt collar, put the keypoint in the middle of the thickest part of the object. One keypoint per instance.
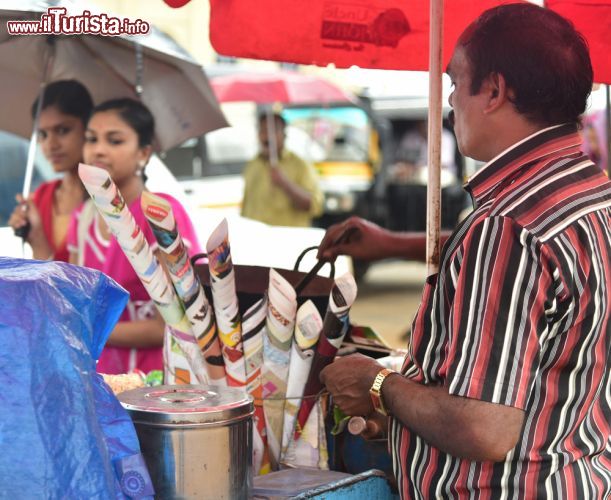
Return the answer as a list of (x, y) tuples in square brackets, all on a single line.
[(558, 140)]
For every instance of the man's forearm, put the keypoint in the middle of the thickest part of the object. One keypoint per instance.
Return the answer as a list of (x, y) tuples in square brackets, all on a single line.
[(462, 427), (300, 198)]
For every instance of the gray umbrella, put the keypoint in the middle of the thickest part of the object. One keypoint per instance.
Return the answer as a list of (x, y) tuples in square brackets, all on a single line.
[(172, 84)]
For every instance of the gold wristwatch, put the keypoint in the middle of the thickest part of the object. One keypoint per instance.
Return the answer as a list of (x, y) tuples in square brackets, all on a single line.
[(376, 388)]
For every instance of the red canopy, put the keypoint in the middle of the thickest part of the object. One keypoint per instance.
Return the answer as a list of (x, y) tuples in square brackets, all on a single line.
[(385, 34)]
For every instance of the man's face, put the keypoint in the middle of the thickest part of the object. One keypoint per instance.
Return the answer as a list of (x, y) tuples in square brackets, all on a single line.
[(264, 137), (467, 116)]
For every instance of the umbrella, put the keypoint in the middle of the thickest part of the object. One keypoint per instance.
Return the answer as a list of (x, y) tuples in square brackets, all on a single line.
[(280, 86), (172, 84)]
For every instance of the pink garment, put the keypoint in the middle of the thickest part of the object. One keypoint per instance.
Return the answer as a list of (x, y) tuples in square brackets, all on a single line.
[(107, 256)]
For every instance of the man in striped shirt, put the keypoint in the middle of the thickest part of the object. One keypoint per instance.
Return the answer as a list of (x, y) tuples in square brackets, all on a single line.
[(506, 389)]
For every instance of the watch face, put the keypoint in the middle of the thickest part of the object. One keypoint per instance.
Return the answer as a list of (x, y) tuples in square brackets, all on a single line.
[(376, 401)]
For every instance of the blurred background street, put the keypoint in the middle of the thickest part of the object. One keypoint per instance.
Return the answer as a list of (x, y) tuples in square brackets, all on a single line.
[(388, 298)]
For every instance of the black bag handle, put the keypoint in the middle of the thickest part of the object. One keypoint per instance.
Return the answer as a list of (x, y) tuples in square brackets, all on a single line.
[(303, 254), (196, 257)]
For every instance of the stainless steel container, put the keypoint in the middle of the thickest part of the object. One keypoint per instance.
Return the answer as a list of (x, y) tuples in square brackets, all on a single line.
[(196, 439)]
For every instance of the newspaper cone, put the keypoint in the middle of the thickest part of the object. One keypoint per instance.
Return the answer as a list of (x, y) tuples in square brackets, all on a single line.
[(334, 329), (112, 207), (307, 330), (187, 284), (310, 450), (253, 329), (228, 321), (281, 311)]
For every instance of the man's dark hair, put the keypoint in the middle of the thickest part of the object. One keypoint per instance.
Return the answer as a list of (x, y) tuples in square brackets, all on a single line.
[(278, 120), (135, 114), (543, 59), (69, 96)]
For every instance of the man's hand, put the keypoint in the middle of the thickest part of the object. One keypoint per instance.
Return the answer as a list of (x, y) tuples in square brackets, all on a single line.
[(355, 237), (278, 177), (364, 240), (348, 379), (300, 198)]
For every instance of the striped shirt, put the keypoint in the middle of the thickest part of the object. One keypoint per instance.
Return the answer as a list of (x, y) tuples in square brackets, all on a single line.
[(520, 315)]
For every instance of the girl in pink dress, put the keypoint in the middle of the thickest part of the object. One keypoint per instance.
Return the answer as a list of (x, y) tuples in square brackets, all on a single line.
[(118, 138)]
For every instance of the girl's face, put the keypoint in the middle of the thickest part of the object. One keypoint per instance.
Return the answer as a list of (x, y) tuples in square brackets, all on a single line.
[(112, 144), (61, 138)]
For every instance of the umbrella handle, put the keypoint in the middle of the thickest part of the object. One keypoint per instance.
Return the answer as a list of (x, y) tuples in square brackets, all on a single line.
[(23, 231)]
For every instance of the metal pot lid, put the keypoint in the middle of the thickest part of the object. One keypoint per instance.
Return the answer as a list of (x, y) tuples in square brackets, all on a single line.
[(187, 404)]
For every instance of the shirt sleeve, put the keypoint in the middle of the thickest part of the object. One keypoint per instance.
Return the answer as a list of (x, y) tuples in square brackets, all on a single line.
[(497, 313), (245, 209)]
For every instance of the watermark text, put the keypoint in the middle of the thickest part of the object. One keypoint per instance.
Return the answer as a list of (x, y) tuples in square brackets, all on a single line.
[(57, 22)]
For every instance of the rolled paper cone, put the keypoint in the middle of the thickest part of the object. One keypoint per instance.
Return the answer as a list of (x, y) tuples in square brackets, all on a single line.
[(281, 311), (310, 451), (187, 284), (111, 205), (225, 299), (308, 326), (335, 326), (253, 329)]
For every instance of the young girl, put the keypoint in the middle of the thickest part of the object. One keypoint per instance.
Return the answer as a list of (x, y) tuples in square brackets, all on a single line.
[(66, 106), (118, 138)]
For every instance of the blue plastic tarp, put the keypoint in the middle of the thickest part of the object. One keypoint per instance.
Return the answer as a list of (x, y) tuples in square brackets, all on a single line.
[(63, 434)]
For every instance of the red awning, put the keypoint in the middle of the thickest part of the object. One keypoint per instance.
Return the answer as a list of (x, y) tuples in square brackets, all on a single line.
[(385, 34)]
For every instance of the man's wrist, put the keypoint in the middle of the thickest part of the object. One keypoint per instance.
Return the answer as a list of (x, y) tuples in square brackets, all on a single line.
[(375, 392)]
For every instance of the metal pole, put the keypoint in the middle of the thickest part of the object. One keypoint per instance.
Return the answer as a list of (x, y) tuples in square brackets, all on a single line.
[(272, 145), (433, 198), (138, 87), (608, 128), (29, 167)]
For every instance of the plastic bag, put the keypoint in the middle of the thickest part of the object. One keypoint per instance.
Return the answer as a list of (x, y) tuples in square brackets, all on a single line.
[(63, 434)]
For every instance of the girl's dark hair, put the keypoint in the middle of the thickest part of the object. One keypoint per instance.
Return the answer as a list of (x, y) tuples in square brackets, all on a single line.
[(544, 60), (135, 114), (69, 96)]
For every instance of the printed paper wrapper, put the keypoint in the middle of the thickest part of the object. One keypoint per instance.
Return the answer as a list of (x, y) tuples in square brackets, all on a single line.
[(187, 284), (334, 329), (310, 450), (225, 299), (253, 330), (307, 331), (111, 205), (281, 311)]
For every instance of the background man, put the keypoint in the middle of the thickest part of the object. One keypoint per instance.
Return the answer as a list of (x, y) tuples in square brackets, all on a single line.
[(285, 194), (506, 389)]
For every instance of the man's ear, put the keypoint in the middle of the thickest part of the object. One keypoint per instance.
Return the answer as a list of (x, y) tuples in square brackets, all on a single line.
[(497, 92)]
